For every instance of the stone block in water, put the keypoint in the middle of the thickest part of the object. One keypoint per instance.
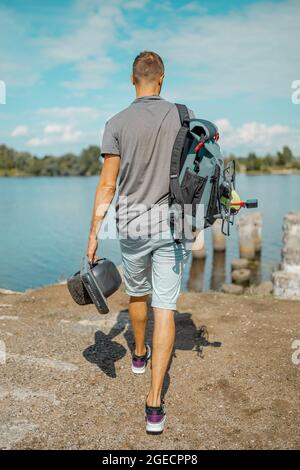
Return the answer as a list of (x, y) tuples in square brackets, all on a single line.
[(286, 285)]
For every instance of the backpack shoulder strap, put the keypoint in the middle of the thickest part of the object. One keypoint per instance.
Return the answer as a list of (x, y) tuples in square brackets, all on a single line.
[(183, 114), (175, 190)]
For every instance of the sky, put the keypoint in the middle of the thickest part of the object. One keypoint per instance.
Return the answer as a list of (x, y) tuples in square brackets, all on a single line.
[(66, 66)]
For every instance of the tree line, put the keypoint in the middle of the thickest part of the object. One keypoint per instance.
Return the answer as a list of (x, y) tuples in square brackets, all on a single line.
[(14, 163), (254, 163)]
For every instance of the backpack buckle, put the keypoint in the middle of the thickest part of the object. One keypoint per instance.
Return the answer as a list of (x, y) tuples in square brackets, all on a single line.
[(196, 167)]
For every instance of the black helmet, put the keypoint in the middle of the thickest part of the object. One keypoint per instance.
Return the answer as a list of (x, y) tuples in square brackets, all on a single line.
[(94, 283)]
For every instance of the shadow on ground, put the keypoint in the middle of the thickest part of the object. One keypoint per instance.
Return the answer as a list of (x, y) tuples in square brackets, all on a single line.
[(105, 352)]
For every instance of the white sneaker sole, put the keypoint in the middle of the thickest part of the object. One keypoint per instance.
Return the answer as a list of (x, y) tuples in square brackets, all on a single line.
[(138, 370), (156, 427), (141, 370)]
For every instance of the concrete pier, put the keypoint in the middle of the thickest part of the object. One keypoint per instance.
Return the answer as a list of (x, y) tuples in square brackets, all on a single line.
[(196, 278), (246, 233), (241, 276), (249, 229), (291, 243), (218, 270), (239, 263), (218, 238), (198, 248), (286, 282), (257, 222)]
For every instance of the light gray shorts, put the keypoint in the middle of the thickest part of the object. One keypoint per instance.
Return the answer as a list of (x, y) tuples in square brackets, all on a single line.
[(154, 265)]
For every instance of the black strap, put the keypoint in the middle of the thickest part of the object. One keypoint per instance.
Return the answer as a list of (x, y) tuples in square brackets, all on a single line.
[(179, 142), (175, 189), (183, 114)]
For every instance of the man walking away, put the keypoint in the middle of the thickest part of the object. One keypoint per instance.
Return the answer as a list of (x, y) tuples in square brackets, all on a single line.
[(137, 145)]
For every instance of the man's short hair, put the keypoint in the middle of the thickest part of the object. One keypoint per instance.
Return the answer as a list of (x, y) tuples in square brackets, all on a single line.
[(147, 66)]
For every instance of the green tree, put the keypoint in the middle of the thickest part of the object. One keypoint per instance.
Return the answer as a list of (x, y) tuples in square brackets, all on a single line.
[(285, 157), (50, 166), (7, 158), (89, 161), (253, 163), (34, 166), (22, 162), (69, 165)]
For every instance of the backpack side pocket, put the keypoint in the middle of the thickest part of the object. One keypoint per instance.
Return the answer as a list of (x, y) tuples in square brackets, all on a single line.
[(213, 203), (192, 187)]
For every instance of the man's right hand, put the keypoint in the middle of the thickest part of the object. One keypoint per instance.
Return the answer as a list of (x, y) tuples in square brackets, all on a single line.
[(92, 248)]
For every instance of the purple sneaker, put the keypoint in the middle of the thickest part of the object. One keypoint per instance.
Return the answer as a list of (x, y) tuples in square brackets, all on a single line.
[(139, 363), (155, 419)]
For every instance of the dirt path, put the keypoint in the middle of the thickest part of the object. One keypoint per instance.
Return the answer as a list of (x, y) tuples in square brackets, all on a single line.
[(67, 382)]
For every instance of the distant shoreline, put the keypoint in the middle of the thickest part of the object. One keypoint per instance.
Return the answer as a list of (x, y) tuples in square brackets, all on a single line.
[(275, 171), (45, 176)]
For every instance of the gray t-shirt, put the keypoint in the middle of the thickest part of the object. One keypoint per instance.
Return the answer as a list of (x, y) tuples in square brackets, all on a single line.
[(143, 136)]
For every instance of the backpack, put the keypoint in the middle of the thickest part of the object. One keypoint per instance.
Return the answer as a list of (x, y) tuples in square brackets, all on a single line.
[(202, 187), (197, 175)]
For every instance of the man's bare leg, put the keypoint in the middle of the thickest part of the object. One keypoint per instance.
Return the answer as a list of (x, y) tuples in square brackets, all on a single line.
[(162, 347), (138, 317)]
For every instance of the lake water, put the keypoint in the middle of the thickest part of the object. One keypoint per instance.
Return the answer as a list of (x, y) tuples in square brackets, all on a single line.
[(44, 225)]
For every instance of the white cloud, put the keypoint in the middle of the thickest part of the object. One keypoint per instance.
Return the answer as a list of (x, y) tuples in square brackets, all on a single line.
[(224, 125), (16, 68), (20, 131), (250, 51), (54, 134), (253, 50), (53, 128), (86, 48), (65, 126), (37, 142), (256, 137)]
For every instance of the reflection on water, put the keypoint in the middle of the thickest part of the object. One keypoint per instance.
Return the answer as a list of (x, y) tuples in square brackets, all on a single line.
[(255, 269), (198, 267), (196, 275), (44, 225), (218, 270)]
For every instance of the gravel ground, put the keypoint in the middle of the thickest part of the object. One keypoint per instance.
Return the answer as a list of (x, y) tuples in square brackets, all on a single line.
[(67, 384)]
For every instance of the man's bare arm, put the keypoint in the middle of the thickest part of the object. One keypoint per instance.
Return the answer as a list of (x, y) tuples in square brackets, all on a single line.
[(105, 192)]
